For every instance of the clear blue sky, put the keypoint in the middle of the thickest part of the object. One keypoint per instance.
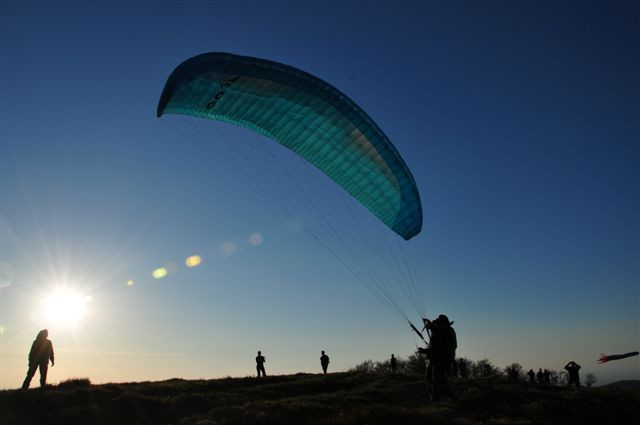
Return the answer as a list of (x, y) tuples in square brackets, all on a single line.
[(519, 120)]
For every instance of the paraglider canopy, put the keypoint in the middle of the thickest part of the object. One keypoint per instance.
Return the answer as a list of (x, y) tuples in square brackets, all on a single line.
[(605, 358), (308, 116)]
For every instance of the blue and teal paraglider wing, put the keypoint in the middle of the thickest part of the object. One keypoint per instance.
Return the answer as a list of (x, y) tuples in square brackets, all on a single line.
[(306, 115)]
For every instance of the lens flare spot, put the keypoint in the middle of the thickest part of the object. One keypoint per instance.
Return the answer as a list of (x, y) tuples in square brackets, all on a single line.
[(159, 273), (255, 239), (193, 261), (229, 247), (129, 282), (2, 330), (7, 275)]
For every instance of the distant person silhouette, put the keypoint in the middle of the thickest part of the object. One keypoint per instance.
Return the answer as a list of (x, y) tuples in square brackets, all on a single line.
[(260, 364), (532, 376), (443, 346), (324, 362), (547, 376), (574, 377), (540, 376), (393, 362), (39, 356), (513, 374)]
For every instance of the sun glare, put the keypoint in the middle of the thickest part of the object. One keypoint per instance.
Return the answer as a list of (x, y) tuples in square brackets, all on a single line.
[(65, 307)]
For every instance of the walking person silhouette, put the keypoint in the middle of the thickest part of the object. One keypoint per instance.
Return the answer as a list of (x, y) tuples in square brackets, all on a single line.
[(324, 362)]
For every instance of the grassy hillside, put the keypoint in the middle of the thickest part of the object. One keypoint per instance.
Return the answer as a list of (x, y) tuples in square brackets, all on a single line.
[(341, 398)]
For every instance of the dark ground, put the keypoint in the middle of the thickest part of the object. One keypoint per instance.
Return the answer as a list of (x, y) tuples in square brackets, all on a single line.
[(336, 399)]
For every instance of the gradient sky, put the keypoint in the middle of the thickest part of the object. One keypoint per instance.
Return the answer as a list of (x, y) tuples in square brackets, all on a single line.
[(520, 121)]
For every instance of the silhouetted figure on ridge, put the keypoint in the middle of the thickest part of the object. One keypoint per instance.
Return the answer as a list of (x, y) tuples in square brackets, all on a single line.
[(574, 377), (532, 376), (540, 376), (513, 374), (393, 362), (260, 364), (547, 377), (324, 362), (442, 349), (39, 356)]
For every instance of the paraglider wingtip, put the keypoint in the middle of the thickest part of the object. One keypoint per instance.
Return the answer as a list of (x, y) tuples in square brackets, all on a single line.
[(161, 105)]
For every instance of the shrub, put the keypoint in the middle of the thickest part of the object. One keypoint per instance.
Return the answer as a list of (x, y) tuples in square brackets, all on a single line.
[(553, 377), (366, 366), (562, 378), (484, 369), (415, 363), (464, 367), (74, 383), (382, 367), (514, 371)]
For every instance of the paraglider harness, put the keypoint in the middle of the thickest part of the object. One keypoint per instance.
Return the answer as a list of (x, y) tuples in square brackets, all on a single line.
[(428, 353)]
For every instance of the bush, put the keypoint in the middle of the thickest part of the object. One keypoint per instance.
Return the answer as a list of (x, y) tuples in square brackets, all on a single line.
[(553, 377), (384, 367), (484, 369), (562, 378), (366, 366), (464, 367), (415, 363), (514, 371), (74, 383)]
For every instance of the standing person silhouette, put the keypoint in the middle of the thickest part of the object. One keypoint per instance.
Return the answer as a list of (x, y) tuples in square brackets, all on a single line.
[(574, 377), (39, 356), (532, 376), (260, 364), (324, 362), (393, 362), (512, 374), (443, 344)]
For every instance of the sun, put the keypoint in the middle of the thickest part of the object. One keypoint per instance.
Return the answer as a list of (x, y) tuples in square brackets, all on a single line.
[(65, 307)]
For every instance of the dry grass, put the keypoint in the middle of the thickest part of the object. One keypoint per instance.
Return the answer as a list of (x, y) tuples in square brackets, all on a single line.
[(334, 399)]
